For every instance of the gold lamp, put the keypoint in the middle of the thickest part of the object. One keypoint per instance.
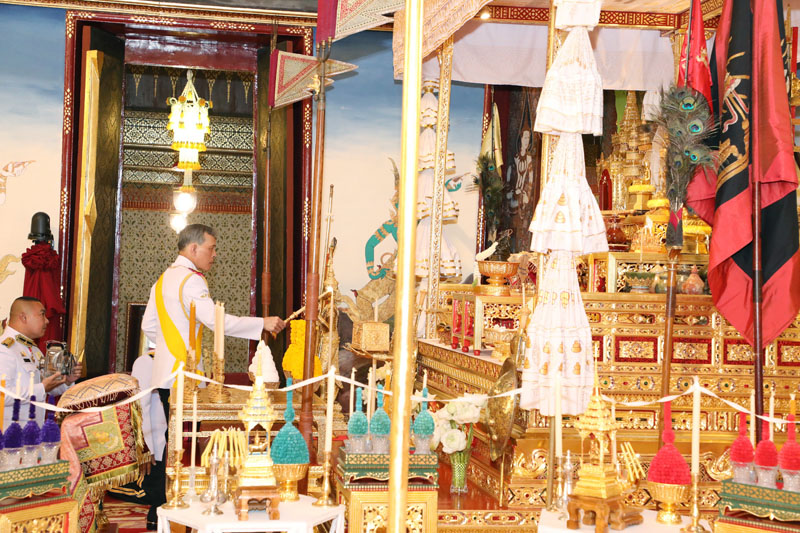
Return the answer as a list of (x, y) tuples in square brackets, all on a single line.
[(189, 124)]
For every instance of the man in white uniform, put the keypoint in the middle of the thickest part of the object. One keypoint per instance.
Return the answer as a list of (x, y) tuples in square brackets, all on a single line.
[(166, 318), (19, 356)]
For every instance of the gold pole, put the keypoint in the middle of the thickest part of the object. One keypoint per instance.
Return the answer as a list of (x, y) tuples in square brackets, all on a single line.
[(545, 166), (404, 348), (439, 172)]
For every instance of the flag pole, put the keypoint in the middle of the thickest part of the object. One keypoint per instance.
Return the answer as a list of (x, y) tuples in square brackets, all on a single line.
[(313, 277), (758, 348)]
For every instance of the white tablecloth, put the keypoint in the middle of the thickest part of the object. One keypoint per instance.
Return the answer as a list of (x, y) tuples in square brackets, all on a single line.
[(551, 523), (296, 517)]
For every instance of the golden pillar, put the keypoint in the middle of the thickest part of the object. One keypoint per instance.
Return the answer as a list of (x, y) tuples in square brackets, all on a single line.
[(404, 337)]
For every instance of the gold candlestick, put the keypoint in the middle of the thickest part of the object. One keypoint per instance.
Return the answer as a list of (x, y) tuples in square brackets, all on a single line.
[(217, 392), (176, 502), (326, 498), (695, 526)]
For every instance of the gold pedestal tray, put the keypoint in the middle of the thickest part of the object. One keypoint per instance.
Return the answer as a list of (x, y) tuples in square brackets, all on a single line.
[(287, 476), (601, 512), (669, 496)]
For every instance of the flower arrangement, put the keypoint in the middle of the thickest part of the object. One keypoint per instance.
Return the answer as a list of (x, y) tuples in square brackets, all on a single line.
[(454, 426)]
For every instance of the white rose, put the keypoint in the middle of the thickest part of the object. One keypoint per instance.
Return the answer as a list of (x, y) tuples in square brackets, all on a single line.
[(438, 428), (443, 414), (467, 414), (453, 440)]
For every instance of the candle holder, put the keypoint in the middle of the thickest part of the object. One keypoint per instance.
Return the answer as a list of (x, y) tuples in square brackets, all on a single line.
[(191, 385), (176, 502), (326, 498), (192, 495), (216, 391), (695, 526)]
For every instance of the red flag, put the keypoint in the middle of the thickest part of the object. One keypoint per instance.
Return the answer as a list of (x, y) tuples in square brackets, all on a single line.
[(695, 73), (755, 145)]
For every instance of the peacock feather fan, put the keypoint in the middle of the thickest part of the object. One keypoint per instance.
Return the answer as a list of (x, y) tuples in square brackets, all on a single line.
[(490, 183), (686, 116)]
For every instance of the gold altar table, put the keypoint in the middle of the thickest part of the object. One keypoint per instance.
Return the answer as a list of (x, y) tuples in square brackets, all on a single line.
[(227, 415), (52, 511), (627, 335), (368, 506)]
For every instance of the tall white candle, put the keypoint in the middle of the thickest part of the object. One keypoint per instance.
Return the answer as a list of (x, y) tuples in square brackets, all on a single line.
[(424, 378), (792, 403), (30, 385), (772, 414), (753, 417), (219, 330), (329, 411), (696, 427), (179, 413), (557, 417), (194, 428), (352, 390), (614, 433), (369, 394)]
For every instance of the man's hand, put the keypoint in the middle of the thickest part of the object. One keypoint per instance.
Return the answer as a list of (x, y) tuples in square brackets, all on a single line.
[(273, 324), (77, 369), (51, 382)]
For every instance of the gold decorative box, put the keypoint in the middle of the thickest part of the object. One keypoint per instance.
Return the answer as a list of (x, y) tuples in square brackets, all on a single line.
[(371, 336)]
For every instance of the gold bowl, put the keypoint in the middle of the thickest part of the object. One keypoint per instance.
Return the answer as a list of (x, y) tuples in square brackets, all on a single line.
[(669, 496), (498, 273), (287, 476)]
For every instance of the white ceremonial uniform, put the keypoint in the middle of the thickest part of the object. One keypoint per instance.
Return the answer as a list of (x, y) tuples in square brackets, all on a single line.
[(154, 423), (19, 356), (182, 283)]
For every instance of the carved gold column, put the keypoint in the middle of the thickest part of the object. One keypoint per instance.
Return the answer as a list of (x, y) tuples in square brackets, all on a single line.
[(439, 170), (404, 338)]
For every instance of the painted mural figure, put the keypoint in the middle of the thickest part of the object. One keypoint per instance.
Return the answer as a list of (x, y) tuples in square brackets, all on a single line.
[(523, 162), (387, 228)]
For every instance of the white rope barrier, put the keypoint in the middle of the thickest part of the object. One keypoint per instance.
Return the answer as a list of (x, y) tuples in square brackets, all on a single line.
[(415, 397)]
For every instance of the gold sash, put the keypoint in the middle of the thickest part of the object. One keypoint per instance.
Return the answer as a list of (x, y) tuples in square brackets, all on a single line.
[(173, 338)]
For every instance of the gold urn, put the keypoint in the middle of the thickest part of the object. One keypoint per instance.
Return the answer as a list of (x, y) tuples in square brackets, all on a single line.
[(287, 476), (669, 496), (498, 273)]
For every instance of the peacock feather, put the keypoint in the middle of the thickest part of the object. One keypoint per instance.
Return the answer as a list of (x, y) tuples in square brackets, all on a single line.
[(490, 184), (686, 116)]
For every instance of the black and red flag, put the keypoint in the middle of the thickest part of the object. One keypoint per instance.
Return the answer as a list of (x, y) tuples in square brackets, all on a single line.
[(755, 146)]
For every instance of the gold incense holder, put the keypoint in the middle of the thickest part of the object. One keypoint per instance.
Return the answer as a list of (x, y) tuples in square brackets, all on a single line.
[(326, 498), (669, 497), (176, 502), (287, 476)]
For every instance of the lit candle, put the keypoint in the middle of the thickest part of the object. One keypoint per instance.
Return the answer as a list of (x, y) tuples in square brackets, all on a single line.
[(194, 428), (30, 385), (352, 389), (192, 326), (557, 417), (179, 412), (772, 413), (696, 427), (329, 411), (753, 417), (614, 433), (792, 403), (425, 378)]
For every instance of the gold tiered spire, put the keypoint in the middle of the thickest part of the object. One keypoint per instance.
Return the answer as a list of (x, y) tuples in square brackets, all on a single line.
[(258, 411), (596, 476)]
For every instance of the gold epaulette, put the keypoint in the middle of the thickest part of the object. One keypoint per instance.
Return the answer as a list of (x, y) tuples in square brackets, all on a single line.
[(25, 340), (9, 342)]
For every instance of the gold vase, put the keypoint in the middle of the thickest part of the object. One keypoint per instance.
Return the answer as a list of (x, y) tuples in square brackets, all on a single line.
[(669, 496), (287, 476), (498, 273)]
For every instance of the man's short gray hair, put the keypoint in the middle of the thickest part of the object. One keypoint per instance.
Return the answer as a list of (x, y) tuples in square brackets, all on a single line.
[(194, 234)]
